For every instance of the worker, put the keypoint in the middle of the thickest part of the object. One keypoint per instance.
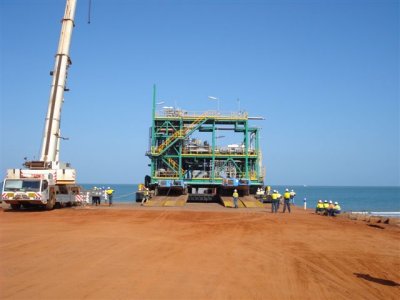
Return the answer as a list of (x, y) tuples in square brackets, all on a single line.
[(274, 201), (110, 193), (105, 195), (279, 200), (268, 190), (330, 208), (336, 209), (320, 207), (292, 195), (286, 199), (235, 198), (326, 206), (145, 196)]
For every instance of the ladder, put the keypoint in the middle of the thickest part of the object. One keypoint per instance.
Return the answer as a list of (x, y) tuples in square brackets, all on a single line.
[(179, 134), (175, 165)]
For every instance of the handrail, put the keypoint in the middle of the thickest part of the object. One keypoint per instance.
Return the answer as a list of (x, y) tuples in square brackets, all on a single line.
[(175, 165), (179, 134), (174, 113)]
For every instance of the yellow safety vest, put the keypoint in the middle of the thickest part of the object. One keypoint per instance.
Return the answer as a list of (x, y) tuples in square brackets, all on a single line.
[(286, 195), (110, 191), (320, 205), (326, 205), (235, 195), (146, 192), (274, 196), (337, 207)]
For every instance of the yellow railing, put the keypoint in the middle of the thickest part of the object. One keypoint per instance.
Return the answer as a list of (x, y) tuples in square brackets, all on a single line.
[(175, 165), (179, 134)]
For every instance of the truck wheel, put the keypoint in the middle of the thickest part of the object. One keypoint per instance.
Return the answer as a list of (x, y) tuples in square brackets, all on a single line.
[(15, 206), (50, 204), (52, 201)]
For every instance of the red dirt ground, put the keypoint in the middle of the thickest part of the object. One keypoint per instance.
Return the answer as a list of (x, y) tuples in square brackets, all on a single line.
[(196, 252)]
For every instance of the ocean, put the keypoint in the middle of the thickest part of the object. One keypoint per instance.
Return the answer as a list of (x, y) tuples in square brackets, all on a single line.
[(350, 198)]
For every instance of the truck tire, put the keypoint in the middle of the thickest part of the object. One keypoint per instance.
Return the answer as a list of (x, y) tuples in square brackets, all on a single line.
[(52, 201), (50, 204), (16, 206)]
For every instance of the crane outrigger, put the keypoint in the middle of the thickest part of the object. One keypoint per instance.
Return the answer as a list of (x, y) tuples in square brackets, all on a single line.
[(48, 181)]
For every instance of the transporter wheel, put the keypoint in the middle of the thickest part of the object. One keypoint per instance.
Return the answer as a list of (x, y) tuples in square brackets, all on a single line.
[(52, 201), (16, 206)]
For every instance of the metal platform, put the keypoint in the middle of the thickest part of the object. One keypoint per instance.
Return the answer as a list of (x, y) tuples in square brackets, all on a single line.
[(168, 201), (244, 202)]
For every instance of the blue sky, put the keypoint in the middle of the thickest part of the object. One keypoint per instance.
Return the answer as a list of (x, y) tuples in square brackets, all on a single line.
[(324, 74)]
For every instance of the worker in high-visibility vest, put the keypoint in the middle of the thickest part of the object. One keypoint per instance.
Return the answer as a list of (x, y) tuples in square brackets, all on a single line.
[(320, 207), (274, 201), (145, 195), (278, 203), (268, 190), (330, 208), (110, 193), (235, 196), (336, 209), (292, 195), (326, 206), (286, 199)]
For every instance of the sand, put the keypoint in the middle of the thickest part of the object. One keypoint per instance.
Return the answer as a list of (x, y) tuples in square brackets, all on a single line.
[(201, 251)]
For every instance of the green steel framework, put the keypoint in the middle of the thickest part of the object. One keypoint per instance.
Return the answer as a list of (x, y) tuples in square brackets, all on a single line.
[(167, 149)]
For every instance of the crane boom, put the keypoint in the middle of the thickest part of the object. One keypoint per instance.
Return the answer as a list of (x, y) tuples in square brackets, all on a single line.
[(48, 182), (51, 135)]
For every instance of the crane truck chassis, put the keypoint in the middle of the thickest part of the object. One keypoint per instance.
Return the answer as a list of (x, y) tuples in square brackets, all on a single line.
[(48, 181), (43, 188)]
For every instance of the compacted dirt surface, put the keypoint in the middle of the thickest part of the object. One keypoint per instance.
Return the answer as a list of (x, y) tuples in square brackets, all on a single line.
[(200, 251)]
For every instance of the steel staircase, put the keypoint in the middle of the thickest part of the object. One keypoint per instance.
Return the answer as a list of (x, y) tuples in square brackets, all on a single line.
[(179, 134)]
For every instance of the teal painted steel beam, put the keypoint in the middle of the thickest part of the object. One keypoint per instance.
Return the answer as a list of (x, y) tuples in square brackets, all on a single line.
[(213, 144), (153, 138), (246, 149)]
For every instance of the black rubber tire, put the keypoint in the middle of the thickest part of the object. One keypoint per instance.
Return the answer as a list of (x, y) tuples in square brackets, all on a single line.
[(52, 201), (50, 204), (16, 206)]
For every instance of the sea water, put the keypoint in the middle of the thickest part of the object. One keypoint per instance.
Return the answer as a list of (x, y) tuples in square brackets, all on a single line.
[(350, 198)]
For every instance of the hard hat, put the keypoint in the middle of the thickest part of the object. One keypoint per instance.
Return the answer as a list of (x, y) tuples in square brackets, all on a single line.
[(292, 191), (109, 188), (326, 201), (235, 190), (320, 201), (336, 203), (286, 190), (330, 201)]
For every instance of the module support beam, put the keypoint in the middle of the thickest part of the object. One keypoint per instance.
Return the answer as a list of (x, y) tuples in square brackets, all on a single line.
[(246, 148)]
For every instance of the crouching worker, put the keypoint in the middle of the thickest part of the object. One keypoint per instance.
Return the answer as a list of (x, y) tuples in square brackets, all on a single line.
[(336, 209), (330, 208), (320, 207), (145, 196), (326, 206)]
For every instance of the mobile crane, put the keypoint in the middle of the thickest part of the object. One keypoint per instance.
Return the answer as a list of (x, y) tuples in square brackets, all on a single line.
[(48, 181)]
